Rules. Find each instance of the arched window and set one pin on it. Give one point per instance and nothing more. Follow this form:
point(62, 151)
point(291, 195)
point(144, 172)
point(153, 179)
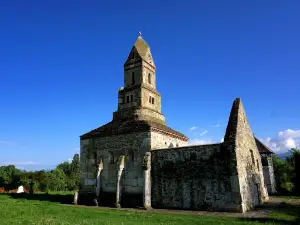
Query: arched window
point(149, 78)
point(111, 158)
point(131, 155)
point(132, 78)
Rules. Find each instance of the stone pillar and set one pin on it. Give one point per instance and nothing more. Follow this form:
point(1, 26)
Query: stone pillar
point(147, 180)
point(100, 168)
point(75, 201)
point(268, 173)
point(120, 170)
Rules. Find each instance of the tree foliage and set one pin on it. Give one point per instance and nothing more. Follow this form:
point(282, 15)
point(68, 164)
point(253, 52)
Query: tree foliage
point(64, 177)
point(287, 172)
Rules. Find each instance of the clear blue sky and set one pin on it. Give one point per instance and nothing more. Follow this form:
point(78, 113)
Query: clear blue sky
point(61, 64)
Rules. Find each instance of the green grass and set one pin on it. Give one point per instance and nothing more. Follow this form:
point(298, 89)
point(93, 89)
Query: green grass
point(287, 197)
point(28, 211)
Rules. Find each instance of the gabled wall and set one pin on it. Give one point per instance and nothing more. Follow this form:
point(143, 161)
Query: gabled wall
point(249, 166)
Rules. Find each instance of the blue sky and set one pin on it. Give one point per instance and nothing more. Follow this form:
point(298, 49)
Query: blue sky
point(61, 64)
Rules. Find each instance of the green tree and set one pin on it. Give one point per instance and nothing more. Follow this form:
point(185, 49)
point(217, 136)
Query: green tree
point(286, 175)
point(56, 180)
point(74, 176)
point(65, 167)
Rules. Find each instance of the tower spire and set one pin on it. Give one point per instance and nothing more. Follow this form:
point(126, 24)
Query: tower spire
point(140, 34)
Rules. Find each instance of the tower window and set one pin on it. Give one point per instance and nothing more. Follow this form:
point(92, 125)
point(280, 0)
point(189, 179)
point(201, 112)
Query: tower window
point(128, 99)
point(252, 157)
point(257, 165)
point(149, 78)
point(151, 100)
point(132, 78)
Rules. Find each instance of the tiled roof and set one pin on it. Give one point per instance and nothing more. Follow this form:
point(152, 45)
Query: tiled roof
point(126, 127)
point(262, 148)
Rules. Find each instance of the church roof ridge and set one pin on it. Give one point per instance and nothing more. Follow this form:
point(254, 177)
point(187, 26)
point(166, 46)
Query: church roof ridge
point(128, 126)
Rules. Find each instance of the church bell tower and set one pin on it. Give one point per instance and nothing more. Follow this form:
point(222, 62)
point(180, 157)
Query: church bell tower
point(139, 98)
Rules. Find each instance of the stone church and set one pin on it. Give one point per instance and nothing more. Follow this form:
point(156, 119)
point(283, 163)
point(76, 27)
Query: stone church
point(136, 160)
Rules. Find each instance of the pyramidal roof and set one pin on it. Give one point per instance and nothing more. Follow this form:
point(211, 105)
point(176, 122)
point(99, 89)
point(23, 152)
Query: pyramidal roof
point(141, 46)
point(142, 50)
point(237, 115)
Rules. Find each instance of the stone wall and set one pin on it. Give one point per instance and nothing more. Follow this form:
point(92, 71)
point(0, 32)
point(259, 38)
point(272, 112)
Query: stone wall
point(146, 93)
point(146, 71)
point(135, 68)
point(162, 141)
point(194, 177)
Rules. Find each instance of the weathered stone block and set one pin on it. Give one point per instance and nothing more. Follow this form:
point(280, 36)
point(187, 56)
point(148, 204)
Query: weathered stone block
point(141, 182)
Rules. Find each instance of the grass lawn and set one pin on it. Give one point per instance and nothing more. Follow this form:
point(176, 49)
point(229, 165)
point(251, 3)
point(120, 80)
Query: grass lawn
point(27, 211)
point(287, 197)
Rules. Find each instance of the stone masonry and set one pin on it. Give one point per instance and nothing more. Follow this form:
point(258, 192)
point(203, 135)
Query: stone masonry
point(136, 160)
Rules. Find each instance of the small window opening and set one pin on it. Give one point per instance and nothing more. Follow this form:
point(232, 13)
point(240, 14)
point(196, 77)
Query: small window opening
point(151, 100)
point(257, 165)
point(128, 99)
point(149, 78)
point(131, 156)
point(252, 156)
point(111, 158)
point(133, 78)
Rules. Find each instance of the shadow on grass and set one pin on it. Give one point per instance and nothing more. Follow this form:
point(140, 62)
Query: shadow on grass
point(63, 199)
point(280, 213)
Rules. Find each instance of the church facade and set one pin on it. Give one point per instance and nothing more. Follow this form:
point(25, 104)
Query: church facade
point(136, 160)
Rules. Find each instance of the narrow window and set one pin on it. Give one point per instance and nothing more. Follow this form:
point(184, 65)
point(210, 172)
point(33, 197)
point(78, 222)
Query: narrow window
point(132, 155)
point(133, 78)
point(131, 98)
point(149, 99)
point(252, 156)
point(152, 100)
point(149, 78)
point(127, 98)
point(257, 165)
point(111, 158)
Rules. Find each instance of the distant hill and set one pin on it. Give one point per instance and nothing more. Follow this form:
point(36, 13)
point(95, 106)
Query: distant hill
point(32, 168)
point(283, 155)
